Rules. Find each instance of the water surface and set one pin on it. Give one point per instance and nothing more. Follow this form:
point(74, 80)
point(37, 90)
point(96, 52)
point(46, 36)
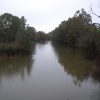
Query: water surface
point(54, 72)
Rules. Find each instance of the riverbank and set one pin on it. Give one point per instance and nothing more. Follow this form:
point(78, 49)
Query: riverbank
point(12, 51)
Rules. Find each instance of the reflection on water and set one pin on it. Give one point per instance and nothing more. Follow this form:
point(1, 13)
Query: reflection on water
point(54, 72)
point(81, 69)
point(73, 63)
point(95, 74)
point(95, 95)
point(20, 66)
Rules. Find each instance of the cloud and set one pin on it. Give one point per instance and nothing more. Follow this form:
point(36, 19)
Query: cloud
point(45, 14)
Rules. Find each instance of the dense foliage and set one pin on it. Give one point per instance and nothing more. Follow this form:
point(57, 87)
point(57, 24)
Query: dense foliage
point(16, 37)
point(80, 32)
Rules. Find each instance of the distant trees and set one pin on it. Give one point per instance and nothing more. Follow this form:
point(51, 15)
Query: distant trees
point(40, 36)
point(79, 32)
point(16, 37)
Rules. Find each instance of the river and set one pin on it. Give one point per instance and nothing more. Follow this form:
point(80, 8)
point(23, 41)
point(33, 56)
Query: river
point(53, 72)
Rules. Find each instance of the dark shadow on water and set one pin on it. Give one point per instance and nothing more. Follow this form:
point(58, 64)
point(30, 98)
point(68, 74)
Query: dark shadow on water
point(20, 66)
point(76, 65)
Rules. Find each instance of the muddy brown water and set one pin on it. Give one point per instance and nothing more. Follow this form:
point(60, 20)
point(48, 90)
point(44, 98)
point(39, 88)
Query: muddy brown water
point(53, 72)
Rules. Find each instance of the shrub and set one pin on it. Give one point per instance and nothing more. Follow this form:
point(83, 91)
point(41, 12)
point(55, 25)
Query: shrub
point(7, 49)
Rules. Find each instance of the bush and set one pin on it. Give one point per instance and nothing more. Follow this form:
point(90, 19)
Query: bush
point(89, 44)
point(7, 49)
point(10, 50)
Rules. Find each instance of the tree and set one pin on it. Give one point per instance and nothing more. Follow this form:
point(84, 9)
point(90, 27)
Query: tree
point(32, 32)
point(91, 10)
point(9, 26)
point(40, 35)
point(68, 31)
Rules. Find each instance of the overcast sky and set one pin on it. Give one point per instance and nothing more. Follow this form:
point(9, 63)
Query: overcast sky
point(45, 15)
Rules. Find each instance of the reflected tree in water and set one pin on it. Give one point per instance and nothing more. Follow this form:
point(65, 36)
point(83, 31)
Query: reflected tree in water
point(95, 95)
point(96, 75)
point(74, 64)
point(20, 66)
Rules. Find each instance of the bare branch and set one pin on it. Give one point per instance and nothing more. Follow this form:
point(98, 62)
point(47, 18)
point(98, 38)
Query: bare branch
point(93, 12)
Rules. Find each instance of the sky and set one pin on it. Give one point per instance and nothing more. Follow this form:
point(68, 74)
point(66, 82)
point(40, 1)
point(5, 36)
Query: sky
point(45, 15)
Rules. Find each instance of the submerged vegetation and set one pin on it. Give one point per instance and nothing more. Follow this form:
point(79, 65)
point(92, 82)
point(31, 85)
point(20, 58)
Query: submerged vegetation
point(17, 37)
point(81, 33)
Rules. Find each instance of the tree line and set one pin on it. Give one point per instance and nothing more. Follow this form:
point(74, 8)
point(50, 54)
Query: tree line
point(17, 37)
point(79, 32)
